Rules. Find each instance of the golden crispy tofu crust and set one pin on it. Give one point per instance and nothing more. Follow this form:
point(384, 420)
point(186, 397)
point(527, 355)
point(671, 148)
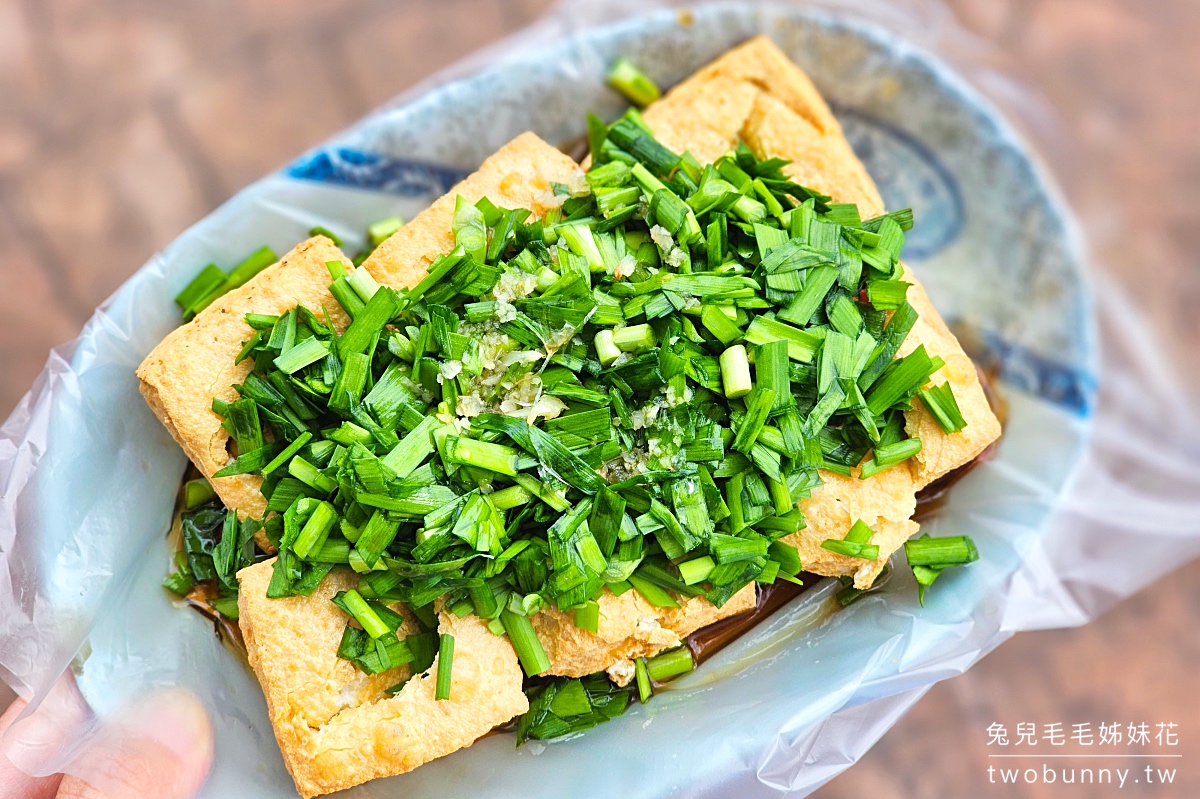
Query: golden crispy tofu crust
point(941, 453)
point(885, 502)
point(194, 363)
point(515, 176)
point(754, 93)
point(335, 725)
point(630, 627)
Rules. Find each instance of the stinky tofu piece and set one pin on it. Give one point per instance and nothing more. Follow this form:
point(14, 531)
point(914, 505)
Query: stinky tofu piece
point(630, 627)
point(755, 93)
point(195, 362)
point(518, 175)
point(885, 503)
point(335, 725)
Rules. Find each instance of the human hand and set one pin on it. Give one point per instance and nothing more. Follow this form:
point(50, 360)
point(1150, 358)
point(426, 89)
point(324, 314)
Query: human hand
point(161, 748)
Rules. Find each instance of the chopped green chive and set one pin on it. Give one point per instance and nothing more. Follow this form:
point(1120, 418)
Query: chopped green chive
point(696, 570)
point(363, 284)
point(717, 321)
point(315, 530)
point(209, 280)
point(470, 230)
point(445, 665)
point(642, 674)
point(733, 549)
point(413, 449)
point(903, 379)
point(929, 557)
point(671, 663)
point(855, 544)
point(606, 349)
point(354, 604)
point(327, 233)
point(889, 455)
point(375, 537)
point(758, 406)
point(638, 88)
point(949, 551)
point(543, 492)
point(511, 497)
point(787, 556)
point(374, 315)
point(802, 346)
point(850, 549)
point(635, 338)
point(942, 405)
point(288, 452)
point(304, 354)
point(346, 296)
point(567, 402)
point(773, 372)
point(652, 593)
point(379, 231)
point(482, 454)
point(887, 294)
point(310, 475)
point(197, 492)
point(525, 641)
point(587, 616)
point(735, 372)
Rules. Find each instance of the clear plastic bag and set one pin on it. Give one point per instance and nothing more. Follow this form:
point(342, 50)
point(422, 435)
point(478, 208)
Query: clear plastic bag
point(1093, 493)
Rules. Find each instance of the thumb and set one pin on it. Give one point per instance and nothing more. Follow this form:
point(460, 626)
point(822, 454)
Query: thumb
point(161, 748)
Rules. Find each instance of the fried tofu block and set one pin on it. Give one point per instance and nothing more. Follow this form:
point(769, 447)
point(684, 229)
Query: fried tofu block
point(941, 453)
point(885, 502)
point(194, 363)
point(755, 93)
point(630, 627)
point(335, 725)
point(515, 176)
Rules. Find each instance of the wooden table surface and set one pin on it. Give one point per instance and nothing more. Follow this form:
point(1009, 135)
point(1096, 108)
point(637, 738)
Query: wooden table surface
point(124, 122)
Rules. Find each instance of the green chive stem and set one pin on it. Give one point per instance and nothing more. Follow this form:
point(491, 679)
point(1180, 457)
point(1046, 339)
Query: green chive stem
point(948, 551)
point(629, 80)
point(445, 666)
point(364, 614)
point(635, 338)
point(645, 691)
point(380, 230)
point(587, 616)
point(606, 350)
point(671, 663)
point(735, 372)
point(525, 641)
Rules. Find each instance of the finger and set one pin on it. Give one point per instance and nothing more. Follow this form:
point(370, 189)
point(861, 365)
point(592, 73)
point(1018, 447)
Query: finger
point(75, 788)
point(41, 741)
point(161, 748)
point(13, 781)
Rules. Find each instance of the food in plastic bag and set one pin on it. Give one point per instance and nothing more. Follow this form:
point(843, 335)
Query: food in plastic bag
point(1089, 496)
point(666, 481)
